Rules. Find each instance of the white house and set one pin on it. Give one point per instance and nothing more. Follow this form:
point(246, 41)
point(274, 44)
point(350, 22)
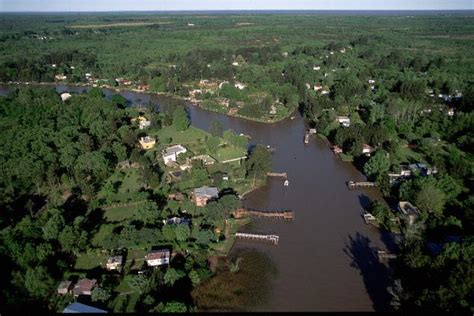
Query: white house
point(451, 112)
point(171, 153)
point(316, 68)
point(323, 92)
point(371, 81)
point(235, 63)
point(190, 24)
point(158, 257)
point(240, 85)
point(65, 96)
point(367, 149)
point(142, 122)
point(344, 121)
point(317, 87)
point(60, 77)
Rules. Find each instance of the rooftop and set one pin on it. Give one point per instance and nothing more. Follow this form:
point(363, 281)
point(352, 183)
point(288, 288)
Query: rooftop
point(158, 254)
point(206, 192)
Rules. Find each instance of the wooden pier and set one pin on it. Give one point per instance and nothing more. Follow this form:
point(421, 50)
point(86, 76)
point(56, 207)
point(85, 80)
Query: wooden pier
point(277, 174)
point(283, 214)
point(360, 184)
point(385, 256)
point(267, 238)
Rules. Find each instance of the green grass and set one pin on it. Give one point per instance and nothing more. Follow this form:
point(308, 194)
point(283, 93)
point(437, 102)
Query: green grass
point(104, 231)
point(191, 135)
point(229, 152)
point(347, 158)
point(119, 214)
point(90, 260)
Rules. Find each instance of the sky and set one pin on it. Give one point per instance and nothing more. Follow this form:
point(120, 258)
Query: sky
point(189, 5)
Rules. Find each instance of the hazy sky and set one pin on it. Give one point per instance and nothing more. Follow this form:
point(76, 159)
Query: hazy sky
point(143, 5)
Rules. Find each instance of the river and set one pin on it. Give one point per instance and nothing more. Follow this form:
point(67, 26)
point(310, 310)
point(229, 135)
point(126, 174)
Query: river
point(325, 257)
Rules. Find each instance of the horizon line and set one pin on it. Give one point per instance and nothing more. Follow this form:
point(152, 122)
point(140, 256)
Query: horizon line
point(237, 10)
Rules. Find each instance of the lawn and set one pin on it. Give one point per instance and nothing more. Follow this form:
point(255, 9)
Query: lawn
point(191, 135)
point(118, 214)
point(229, 152)
point(90, 260)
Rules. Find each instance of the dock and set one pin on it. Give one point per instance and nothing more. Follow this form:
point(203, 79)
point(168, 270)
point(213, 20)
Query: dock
point(369, 218)
point(385, 256)
point(360, 184)
point(306, 138)
point(267, 238)
point(277, 174)
point(283, 214)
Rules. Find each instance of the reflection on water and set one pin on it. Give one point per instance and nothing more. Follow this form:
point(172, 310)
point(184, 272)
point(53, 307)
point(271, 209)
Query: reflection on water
point(325, 256)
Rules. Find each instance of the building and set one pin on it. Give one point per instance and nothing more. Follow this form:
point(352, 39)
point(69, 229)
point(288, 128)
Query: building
point(317, 87)
point(171, 153)
point(206, 159)
point(316, 68)
point(147, 142)
point(190, 24)
point(157, 258)
point(60, 77)
point(337, 150)
point(114, 263)
point(344, 120)
point(203, 194)
point(422, 168)
point(64, 287)
point(82, 308)
point(240, 85)
point(367, 149)
point(84, 287)
point(409, 211)
point(371, 81)
point(323, 92)
point(142, 122)
point(450, 112)
point(177, 221)
point(65, 96)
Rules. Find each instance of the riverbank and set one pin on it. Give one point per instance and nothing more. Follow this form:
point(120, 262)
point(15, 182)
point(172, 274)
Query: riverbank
point(165, 94)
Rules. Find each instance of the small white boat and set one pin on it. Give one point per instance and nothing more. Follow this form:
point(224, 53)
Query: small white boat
point(286, 183)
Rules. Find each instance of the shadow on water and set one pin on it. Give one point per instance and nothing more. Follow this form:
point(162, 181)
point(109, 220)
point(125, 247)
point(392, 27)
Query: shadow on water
point(364, 201)
point(375, 275)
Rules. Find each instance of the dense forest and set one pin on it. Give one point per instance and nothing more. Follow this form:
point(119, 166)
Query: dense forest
point(393, 94)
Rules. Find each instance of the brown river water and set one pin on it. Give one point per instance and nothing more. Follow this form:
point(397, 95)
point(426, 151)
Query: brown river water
point(326, 257)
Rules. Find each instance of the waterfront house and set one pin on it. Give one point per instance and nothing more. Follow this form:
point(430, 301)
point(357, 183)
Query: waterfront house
point(239, 85)
point(114, 263)
point(142, 122)
point(337, 150)
point(204, 194)
point(171, 153)
point(410, 212)
point(60, 77)
point(312, 131)
point(367, 149)
point(157, 258)
point(64, 287)
point(147, 142)
point(65, 96)
point(344, 120)
point(82, 309)
point(84, 287)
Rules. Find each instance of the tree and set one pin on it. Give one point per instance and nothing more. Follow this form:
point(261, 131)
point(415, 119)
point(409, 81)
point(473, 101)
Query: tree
point(213, 143)
point(142, 283)
point(174, 307)
point(168, 232)
point(182, 232)
point(100, 294)
point(259, 162)
point(38, 282)
point(216, 129)
point(172, 275)
point(119, 101)
point(431, 199)
point(377, 164)
point(180, 119)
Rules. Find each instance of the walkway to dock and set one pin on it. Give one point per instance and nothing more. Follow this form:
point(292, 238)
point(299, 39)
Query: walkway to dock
point(283, 214)
point(270, 238)
point(277, 174)
point(360, 184)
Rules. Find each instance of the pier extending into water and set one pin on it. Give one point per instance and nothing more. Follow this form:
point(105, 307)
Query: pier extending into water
point(268, 238)
point(385, 256)
point(277, 174)
point(283, 214)
point(360, 184)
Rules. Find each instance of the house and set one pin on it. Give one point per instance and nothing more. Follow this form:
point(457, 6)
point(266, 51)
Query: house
point(240, 85)
point(224, 102)
point(316, 68)
point(65, 96)
point(142, 122)
point(409, 211)
point(235, 63)
point(312, 131)
point(147, 142)
point(114, 263)
point(84, 287)
point(344, 120)
point(284, 54)
point(323, 92)
point(422, 168)
point(308, 86)
point(343, 50)
point(171, 153)
point(367, 150)
point(177, 221)
point(371, 81)
point(450, 112)
point(206, 159)
point(203, 194)
point(158, 257)
point(190, 24)
point(317, 87)
point(273, 110)
point(60, 77)
point(64, 287)
point(82, 309)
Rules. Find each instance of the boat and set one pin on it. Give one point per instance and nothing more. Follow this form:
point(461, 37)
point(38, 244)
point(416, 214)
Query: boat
point(306, 138)
point(292, 118)
point(286, 183)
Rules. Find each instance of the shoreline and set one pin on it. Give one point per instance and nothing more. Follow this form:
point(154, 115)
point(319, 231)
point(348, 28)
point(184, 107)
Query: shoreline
point(121, 89)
